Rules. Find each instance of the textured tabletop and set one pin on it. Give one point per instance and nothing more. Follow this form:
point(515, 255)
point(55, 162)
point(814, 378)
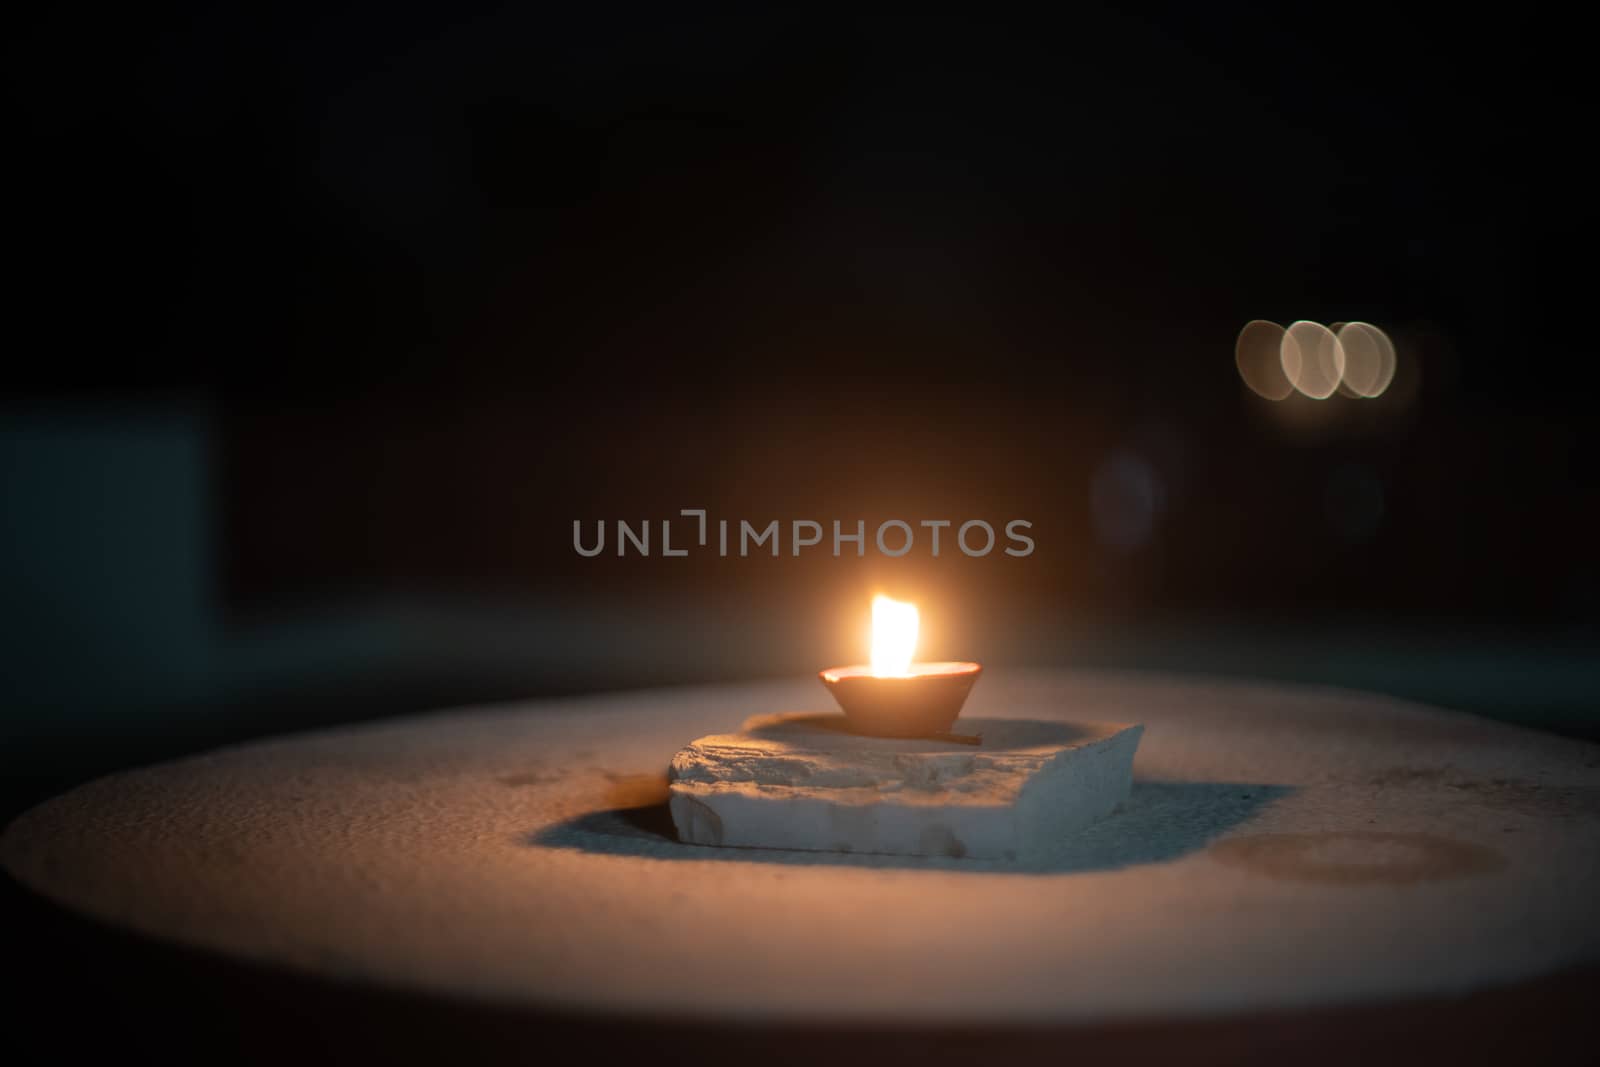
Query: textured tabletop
point(1281, 847)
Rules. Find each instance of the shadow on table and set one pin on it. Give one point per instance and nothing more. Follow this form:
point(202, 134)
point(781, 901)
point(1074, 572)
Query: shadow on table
point(1159, 822)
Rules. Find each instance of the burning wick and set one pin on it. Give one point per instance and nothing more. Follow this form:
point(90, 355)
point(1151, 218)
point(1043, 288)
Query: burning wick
point(894, 636)
point(895, 697)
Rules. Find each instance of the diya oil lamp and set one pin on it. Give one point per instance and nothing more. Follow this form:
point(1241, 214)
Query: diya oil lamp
point(894, 697)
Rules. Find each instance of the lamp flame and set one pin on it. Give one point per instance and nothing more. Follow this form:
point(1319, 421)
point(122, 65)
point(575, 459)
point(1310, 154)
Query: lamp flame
point(894, 637)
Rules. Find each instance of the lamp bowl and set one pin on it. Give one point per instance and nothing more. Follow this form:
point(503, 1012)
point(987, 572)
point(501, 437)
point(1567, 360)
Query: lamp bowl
point(923, 702)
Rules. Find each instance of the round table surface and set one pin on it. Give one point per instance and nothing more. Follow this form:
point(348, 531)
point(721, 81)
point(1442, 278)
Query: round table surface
point(1282, 847)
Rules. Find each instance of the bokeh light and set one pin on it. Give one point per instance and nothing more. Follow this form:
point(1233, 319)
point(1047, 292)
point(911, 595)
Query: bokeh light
point(1369, 360)
point(1313, 359)
point(1258, 352)
point(1356, 360)
point(1126, 500)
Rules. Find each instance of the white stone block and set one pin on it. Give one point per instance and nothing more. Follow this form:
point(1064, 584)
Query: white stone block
point(801, 781)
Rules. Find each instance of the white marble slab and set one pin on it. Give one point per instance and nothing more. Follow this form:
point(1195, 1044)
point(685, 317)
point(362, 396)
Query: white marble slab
point(804, 781)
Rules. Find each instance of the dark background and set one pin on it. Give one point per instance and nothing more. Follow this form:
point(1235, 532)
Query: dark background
point(327, 323)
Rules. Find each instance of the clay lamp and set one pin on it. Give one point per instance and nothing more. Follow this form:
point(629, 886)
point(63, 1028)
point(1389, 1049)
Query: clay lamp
point(894, 697)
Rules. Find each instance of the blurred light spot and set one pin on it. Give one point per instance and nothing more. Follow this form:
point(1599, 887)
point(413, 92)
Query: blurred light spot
point(1163, 444)
point(1125, 499)
point(1369, 359)
point(1313, 359)
point(1258, 352)
point(1344, 379)
point(1354, 502)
